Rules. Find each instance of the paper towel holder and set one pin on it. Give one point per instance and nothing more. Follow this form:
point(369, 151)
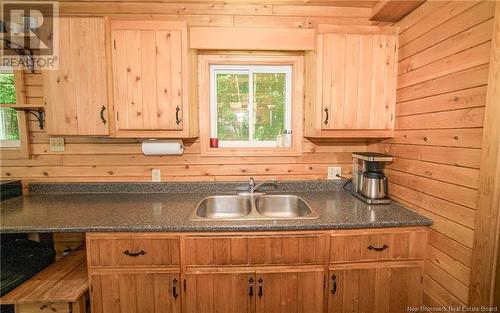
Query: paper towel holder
point(162, 147)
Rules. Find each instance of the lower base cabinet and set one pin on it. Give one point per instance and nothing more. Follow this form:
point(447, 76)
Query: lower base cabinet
point(290, 291)
point(219, 292)
point(136, 293)
point(375, 288)
point(363, 271)
point(267, 291)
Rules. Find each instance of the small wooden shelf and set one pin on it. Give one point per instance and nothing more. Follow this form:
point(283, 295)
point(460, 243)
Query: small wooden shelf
point(63, 286)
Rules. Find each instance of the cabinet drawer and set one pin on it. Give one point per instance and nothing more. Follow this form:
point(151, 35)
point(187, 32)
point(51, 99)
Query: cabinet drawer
point(372, 245)
point(133, 251)
point(43, 307)
point(255, 250)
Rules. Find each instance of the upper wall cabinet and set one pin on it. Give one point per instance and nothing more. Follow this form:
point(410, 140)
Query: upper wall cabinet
point(354, 70)
point(150, 79)
point(75, 94)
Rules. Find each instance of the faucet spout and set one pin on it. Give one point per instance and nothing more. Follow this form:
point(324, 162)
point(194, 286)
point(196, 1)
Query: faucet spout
point(252, 187)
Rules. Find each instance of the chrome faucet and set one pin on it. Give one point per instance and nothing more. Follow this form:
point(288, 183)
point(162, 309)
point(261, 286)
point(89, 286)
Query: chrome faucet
point(252, 187)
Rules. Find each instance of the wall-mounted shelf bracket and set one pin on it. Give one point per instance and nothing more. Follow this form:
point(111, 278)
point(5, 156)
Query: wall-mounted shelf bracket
point(39, 114)
point(25, 54)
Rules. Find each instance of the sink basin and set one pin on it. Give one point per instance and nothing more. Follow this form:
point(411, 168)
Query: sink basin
point(282, 206)
point(254, 207)
point(223, 207)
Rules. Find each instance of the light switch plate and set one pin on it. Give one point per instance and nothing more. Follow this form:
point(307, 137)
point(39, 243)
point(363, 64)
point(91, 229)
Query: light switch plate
point(156, 175)
point(333, 171)
point(56, 144)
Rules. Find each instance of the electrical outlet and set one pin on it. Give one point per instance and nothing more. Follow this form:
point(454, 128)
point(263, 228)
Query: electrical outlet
point(56, 144)
point(156, 175)
point(333, 171)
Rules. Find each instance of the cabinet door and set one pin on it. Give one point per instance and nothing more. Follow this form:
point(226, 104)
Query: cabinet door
point(254, 250)
point(356, 73)
point(220, 293)
point(290, 291)
point(389, 288)
point(149, 75)
point(135, 293)
point(75, 95)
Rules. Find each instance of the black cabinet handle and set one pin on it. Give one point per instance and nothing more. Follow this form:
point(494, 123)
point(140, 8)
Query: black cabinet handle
point(128, 253)
point(378, 249)
point(326, 118)
point(103, 119)
point(250, 292)
point(174, 288)
point(177, 120)
point(334, 284)
point(261, 289)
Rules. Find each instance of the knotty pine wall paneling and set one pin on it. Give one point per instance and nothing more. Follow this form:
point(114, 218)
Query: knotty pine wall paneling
point(108, 159)
point(442, 78)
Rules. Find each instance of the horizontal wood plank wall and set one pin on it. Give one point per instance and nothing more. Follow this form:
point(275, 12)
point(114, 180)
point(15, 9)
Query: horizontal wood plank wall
point(443, 71)
point(106, 159)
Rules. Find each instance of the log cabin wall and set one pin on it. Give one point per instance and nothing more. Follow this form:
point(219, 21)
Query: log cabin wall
point(443, 72)
point(107, 159)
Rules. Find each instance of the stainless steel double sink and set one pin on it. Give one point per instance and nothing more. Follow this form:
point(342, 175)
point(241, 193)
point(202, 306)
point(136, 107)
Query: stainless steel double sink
point(263, 207)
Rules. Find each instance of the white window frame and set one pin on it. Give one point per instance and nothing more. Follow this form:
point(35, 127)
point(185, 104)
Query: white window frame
point(9, 143)
point(249, 70)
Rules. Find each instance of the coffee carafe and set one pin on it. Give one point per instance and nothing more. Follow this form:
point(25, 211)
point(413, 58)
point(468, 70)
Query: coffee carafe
point(374, 185)
point(369, 182)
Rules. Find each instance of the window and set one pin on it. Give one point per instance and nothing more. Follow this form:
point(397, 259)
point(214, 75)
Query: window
point(9, 125)
point(9, 128)
point(250, 105)
point(13, 124)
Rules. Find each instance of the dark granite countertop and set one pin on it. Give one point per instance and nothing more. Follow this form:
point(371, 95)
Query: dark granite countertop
point(169, 212)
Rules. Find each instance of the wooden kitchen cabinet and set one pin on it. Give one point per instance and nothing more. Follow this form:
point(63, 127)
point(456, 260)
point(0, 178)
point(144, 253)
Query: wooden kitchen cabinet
point(150, 74)
point(258, 272)
point(75, 94)
point(137, 292)
point(290, 290)
point(267, 290)
point(255, 250)
point(214, 292)
point(377, 245)
point(375, 287)
point(133, 251)
point(352, 82)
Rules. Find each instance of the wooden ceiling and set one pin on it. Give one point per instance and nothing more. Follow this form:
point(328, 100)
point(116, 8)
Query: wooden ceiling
point(337, 3)
point(388, 11)
point(393, 11)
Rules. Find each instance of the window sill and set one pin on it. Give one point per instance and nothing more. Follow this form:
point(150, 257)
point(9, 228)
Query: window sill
point(294, 151)
point(13, 153)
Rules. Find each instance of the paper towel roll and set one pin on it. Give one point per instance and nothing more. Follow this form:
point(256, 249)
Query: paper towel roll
point(162, 147)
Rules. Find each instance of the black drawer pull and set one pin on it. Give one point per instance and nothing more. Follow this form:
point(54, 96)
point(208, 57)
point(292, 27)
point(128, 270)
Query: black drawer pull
point(174, 289)
point(103, 119)
point(177, 119)
point(250, 292)
point(261, 289)
point(45, 306)
point(378, 249)
point(334, 284)
point(326, 118)
point(142, 252)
